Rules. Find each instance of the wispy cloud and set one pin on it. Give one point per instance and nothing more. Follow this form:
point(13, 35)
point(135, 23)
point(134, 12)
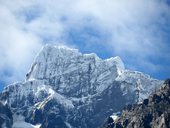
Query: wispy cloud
point(17, 47)
point(136, 30)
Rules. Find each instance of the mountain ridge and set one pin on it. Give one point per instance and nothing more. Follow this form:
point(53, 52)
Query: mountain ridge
point(74, 88)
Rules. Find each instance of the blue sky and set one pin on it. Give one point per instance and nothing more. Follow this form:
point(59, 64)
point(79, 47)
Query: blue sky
point(136, 30)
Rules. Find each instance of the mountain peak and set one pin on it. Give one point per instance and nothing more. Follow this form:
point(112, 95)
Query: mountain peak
point(65, 84)
point(53, 60)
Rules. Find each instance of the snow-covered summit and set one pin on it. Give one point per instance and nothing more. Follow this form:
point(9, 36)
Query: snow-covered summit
point(64, 69)
point(67, 68)
point(52, 60)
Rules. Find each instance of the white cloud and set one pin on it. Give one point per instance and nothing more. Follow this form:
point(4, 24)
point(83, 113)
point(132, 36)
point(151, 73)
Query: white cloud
point(17, 47)
point(132, 27)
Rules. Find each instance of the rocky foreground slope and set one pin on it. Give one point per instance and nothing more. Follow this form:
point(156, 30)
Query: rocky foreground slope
point(153, 112)
point(67, 89)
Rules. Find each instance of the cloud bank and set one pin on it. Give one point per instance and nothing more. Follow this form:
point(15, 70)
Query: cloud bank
point(136, 30)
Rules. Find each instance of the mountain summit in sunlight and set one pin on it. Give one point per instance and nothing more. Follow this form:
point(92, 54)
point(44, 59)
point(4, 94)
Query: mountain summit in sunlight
point(67, 89)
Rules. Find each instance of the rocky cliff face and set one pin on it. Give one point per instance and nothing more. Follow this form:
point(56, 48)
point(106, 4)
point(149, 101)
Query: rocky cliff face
point(153, 112)
point(65, 88)
point(6, 119)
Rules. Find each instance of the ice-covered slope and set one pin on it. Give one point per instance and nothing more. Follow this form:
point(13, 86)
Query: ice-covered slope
point(74, 88)
point(134, 80)
point(73, 73)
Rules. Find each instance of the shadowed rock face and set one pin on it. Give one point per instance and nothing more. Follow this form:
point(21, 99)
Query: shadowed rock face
point(6, 119)
point(154, 112)
point(67, 88)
